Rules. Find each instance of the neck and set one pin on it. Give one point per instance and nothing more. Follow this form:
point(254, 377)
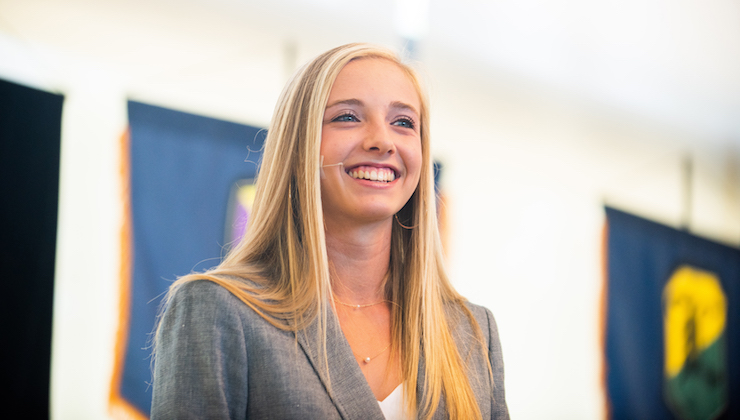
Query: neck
point(358, 260)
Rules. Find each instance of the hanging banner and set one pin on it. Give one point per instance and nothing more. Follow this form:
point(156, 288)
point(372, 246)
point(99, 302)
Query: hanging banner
point(672, 323)
point(30, 142)
point(187, 193)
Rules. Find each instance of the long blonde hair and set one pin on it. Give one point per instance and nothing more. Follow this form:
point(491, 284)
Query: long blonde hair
point(283, 254)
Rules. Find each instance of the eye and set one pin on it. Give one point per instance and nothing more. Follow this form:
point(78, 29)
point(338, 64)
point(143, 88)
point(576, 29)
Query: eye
point(346, 117)
point(404, 122)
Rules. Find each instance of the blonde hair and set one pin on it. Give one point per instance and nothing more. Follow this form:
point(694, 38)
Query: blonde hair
point(283, 254)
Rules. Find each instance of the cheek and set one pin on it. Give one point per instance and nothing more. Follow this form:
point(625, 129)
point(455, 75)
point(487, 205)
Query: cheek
point(333, 144)
point(413, 160)
point(324, 145)
point(327, 152)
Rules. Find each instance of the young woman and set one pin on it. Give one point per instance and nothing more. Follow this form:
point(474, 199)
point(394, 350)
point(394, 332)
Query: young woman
point(335, 304)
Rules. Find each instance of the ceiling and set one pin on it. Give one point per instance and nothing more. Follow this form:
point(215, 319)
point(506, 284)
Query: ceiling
point(674, 63)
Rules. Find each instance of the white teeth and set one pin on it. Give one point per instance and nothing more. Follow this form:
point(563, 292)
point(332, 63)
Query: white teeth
point(381, 175)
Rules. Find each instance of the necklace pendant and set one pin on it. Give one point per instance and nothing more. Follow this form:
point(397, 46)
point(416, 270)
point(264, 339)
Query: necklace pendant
point(367, 360)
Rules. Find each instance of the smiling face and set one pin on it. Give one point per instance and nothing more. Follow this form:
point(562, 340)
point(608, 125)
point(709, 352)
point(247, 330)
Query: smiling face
point(372, 126)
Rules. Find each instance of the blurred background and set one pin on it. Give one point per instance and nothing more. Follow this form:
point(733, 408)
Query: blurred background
point(543, 112)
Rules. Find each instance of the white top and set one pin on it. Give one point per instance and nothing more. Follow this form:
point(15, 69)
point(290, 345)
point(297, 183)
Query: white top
point(392, 405)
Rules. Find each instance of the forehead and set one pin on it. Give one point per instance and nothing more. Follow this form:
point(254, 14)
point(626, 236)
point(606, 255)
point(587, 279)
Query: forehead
point(375, 77)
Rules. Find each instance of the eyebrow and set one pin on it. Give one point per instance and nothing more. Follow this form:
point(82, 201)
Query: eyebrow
point(357, 102)
point(402, 105)
point(345, 102)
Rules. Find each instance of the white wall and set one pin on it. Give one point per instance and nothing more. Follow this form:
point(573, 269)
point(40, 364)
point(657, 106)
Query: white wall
point(527, 172)
point(528, 175)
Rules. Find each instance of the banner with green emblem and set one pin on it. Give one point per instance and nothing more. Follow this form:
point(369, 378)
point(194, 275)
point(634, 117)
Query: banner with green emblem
point(672, 333)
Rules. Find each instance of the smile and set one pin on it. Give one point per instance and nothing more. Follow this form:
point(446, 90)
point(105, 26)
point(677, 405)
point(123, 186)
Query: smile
point(372, 173)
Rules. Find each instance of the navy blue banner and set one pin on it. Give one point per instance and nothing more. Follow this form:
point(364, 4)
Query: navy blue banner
point(184, 171)
point(30, 128)
point(672, 323)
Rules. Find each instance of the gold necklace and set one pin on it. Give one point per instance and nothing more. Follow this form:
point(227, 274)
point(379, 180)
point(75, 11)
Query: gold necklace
point(369, 359)
point(359, 306)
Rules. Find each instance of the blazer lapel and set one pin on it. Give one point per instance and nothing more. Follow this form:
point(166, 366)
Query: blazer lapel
point(345, 382)
point(440, 412)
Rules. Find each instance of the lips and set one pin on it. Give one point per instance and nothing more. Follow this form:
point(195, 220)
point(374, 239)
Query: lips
point(372, 173)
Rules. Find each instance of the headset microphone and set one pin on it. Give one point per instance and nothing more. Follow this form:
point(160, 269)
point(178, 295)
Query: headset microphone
point(326, 166)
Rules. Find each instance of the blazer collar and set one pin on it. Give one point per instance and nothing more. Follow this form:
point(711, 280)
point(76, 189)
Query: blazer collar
point(345, 382)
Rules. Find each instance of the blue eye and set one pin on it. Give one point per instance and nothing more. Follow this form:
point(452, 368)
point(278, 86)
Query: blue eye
point(345, 118)
point(404, 122)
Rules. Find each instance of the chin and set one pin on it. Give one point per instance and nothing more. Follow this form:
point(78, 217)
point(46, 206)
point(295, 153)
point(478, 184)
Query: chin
point(378, 215)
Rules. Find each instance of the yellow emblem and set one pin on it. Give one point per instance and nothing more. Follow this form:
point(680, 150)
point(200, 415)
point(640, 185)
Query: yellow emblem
point(695, 313)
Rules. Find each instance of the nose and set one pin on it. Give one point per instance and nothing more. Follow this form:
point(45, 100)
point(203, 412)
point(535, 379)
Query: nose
point(378, 138)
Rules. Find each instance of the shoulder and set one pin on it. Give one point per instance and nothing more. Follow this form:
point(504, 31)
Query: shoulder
point(223, 291)
point(201, 293)
point(485, 319)
point(206, 304)
point(482, 314)
point(201, 350)
point(465, 315)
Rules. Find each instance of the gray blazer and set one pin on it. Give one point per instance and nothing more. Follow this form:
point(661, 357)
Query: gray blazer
point(219, 359)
